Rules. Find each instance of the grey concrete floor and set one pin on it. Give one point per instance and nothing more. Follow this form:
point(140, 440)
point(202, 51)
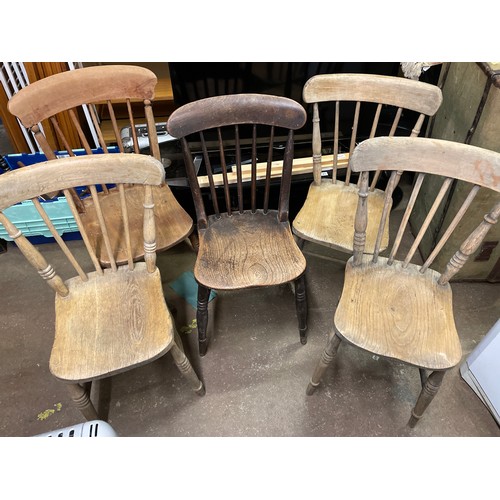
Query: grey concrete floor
point(255, 371)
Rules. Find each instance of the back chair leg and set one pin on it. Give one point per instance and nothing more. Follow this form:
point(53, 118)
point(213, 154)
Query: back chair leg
point(81, 397)
point(202, 318)
point(301, 306)
point(194, 241)
point(429, 390)
point(184, 366)
point(326, 358)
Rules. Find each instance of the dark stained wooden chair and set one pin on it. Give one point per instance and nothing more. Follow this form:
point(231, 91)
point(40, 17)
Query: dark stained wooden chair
point(64, 98)
point(242, 244)
point(402, 308)
point(107, 320)
point(349, 105)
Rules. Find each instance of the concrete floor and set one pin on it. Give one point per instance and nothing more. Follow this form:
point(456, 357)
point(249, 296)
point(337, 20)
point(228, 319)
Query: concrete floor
point(255, 372)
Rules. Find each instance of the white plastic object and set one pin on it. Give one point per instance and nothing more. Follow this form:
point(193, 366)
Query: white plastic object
point(93, 428)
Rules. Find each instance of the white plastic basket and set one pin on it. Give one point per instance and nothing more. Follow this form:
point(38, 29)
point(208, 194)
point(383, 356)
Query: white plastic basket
point(93, 428)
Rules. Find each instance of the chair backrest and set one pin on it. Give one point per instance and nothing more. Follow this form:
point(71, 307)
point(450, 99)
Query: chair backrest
point(271, 119)
point(65, 99)
point(450, 160)
point(360, 96)
point(32, 181)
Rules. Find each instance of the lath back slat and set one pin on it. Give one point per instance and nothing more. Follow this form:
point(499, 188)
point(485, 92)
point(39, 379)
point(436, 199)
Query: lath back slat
point(84, 142)
point(450, 160)
point(97, 126)
point(430, 215)
point(239, 177)
point(394, 127)
point(81, 134)
point(352, 144)
point(391, 186)
point(406, 217)
point(453, 225)
point(102, 226)
point(114, 125)
point(286, 179)
point(62, 244)
point(32, 181)
point(254, 169)
point(53, 231)
point(389, 94)
point(268, 170)
point(206, 158)
point(60, 134)
point(262, 113)
point(336, 141)
point(135, 141)
point(222, 158)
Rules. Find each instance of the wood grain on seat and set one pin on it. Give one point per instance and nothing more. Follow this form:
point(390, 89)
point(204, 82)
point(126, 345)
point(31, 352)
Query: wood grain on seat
point(399, 313)
point(111, 323)
point(171, 225)
point(328, 216)
point(247, 250)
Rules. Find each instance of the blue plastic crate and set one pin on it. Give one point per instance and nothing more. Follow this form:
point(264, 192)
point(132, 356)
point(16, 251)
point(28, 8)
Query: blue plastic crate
point(32, 158)
point(27, 219)
point(25, 216)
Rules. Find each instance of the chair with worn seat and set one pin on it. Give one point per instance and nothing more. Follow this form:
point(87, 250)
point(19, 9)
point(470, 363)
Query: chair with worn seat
point(60, 101)
point(352, 107)
point(401, 307)
point(244, 232)
point(107, 320)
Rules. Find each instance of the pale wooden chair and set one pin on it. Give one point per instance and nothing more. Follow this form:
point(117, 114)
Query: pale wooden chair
point(62, 99)
point(247, 243)
point(343, 102)
point(109, 320)
point(398, 308)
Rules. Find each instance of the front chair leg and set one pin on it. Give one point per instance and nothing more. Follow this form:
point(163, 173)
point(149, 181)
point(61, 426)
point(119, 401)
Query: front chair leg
point(202, 318)
point(81, 397)
point(429, 390)
point(301, 306)
point(326, 358)
point(184, 366)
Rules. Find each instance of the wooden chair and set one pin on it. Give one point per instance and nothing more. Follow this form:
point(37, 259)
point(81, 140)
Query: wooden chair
point(327, 215)
point(241, 245)
point(110, 320)
point(398, 308)
point(62, 99)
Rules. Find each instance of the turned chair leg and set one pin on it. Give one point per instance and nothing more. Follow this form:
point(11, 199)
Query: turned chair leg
point(178, 341)
point(429, 390)
point(81, 397)
point(301, 306)
point(326, 358)
point(202, 318)
point(184, 366)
